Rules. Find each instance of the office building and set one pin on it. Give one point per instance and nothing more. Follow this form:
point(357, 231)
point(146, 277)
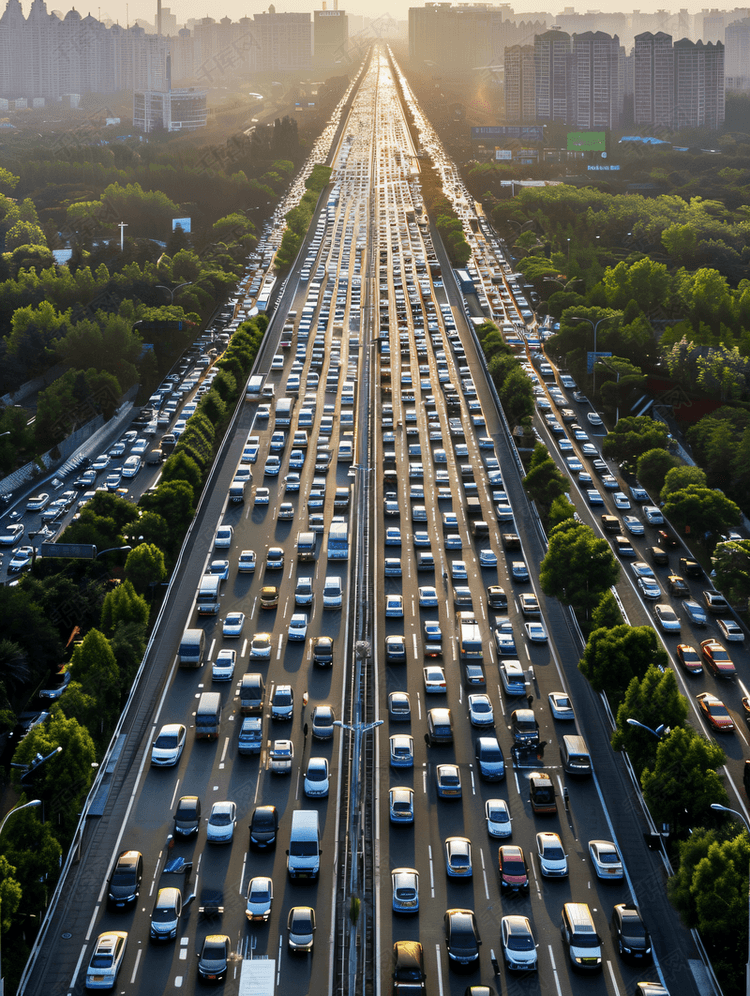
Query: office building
point(282, 41)
point(330, 35)
point(520, 84)
point(737, 50)
point(653, 80)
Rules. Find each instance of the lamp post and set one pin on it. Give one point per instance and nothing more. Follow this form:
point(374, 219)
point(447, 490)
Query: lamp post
point(112, 549)
point(717, 807)
point(661, 731)
point(26, 805)
point(187, 283)
point(595, 327)
point(617, 375)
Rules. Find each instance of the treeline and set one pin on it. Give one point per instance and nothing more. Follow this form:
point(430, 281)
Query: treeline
point(445, 218)
point(299, 218)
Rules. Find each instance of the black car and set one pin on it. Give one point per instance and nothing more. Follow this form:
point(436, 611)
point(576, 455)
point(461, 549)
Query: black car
point(690, 568)
point(187, 817)
point(678, 586)
point(322, 651)
point(462, 938)
point(125, 880)
point(214, 958)
point(264, 827)
point(408, 968)
point(629, 933)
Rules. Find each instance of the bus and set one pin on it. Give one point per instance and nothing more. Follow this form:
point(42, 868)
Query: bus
point(265, 294)
point(284, 409)
point(465, 283)
point(338, 541)
point(470, 637)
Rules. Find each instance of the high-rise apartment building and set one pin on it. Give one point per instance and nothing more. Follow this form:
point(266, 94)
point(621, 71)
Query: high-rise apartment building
point(520, 84)
point(737, 49)
point(595, 81)
point(653, 80)
point(283, 41)
point(552, 70)
point(331, 36)
point(698, 84)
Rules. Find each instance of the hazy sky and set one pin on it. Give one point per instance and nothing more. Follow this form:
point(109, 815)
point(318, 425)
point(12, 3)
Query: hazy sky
point(185, 9)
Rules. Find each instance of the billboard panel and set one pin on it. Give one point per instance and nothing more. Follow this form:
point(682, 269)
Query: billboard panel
point(503, 154)
point(80, 551)
point(527, 133)
point(184, 224)
point(586, 141)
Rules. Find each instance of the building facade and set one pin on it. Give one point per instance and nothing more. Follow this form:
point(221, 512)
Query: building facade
point(698, 84)
point(552, 70)
point(653, 80)
point(520, 84)
point(595, 82)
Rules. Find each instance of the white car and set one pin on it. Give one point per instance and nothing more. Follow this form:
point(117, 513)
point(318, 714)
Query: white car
point(252, 447)
point(168, 746)
point(498, 818)
point(434, 680)
point(223, 538)
point(642, 570)
point(260, 645)
point(606, 859)
point(259, 898)
point(37, 503)
point(272, 467)
point(458, 570)
point(317, 778)
point(518, 943)
point(731, 632)
point(233, 624)
point(298, 626)
point(262, 496)
point(247, 562)
point(560, 705)
point(405, 882)
point(394, 606)
point(281, 757)
point(480, 710)
point(536, 632)
point(553, 861)
point(223, 667)
point(106, 960)
point(487, 558)
point(667, 618)
point(621, 500)
point(221, 822)
point(649, 588)
point(593, 418)
point(101, 462)
point(12, 534)
point(653, 515)
point(633, 525)
point(428, 597)
point(458, 857)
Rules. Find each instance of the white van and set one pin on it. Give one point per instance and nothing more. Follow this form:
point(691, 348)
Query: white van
point(131, 466)
point(303, 856)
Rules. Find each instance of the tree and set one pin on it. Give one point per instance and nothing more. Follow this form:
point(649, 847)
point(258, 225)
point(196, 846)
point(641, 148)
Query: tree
point(613, 657)
point(32, 849)
point(14, 664)
point(607, 614)
point(560, 510)
point(10, 893)
point(653, 467)
point(145, 566)
point(544, 482)
point(655, 701)
point(701, 510)
point(174, 501)
point(122, 604)
point(578, 567)
point(180, 467)
point(684, 781)
point(633, 436)
point(731, 561)
point(680, 477)
point(93, 664)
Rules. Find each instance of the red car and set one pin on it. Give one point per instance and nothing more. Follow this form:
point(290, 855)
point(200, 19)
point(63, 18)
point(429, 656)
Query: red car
point(688, 657)
point(717, 659)
point(715, 712)
point(514, 874)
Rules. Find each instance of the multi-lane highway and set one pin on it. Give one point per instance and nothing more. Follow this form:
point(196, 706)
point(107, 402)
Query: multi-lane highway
point(403, 444)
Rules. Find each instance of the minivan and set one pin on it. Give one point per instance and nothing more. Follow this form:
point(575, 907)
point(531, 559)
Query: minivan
point(439, 727)
point(332, 592)
point(575, 756)
point(580, 937)
point(208, 716)
point(252, 694)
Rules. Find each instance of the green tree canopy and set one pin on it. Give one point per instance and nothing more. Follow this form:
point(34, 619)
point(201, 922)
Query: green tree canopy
point(655, 701)
point(544, 482)
point(653, 467)
point(633, 436)
point(613, 657)
point(731, 561)
point(145, 566)
point(607, 613)
point(680, 477)
point(123, 605)
point(578, 567)
point(701, 510)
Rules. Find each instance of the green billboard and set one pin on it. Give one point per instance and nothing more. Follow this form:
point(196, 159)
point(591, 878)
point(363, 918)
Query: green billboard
point(586, 141)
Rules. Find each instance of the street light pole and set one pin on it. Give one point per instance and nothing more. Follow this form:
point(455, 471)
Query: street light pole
point(617, 374)
point(717, 807)
point(26, 805)
point(595, 327)
point(659, 732)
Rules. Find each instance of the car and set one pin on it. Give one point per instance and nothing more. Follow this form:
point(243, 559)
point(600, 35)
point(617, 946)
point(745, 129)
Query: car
point(300, 927)
point(428, 597)
point(633, 525)
point(553, 861)
point(393, 536)
point(124, 885)
point(395, 649)
point(453, 541)
point(117, 449)
point(286, 510)
point(462, 938)
point(405, 890)
point(392, 567)
point(518, 944)
point(594, 497)
point(649, 588)
point(37, 503)
point(291, 483)
point(297, 626)
point(394, 606)
point(667, 618)
point(715, 603)
point(594, 418)
point(272, 466)
point(574, 464)
point(730, 630)
point(666, 538)
point(639, 494)
point(536, 632)
point(512, 868)
point(458, 857)
point(717, 659)
point(56, 687)
point(434, 680)
point(12, 533)
point(496, 597)
point(168, 746)
point(524, 727)
point(321, 651)
point(112, 481)
point(259, 899)
point(264, 827)
point(504, 640)
point(529, 604)
point(606, 859)
point(281, 757)
point(296, 459)
point(689, 658)
point(233, 625)
point(433, 638)
point(498, 818)
point(399, 707)
point(678, 586)
point(690, 568)
point(695, 612)
point(512, 677)
point(621, 500)
point(106, 960)
point(421, 538)
point(303, 591)
point(560, 705)
point(480, 710)
point(21, 559)
point(715, 712)
point(282, 702)
point(401, 804)
point(408, 968)
point(653, 515)
point(487, 558)
point(262, 496)
point(274, 558)
point(322, 722)
point(642, 570)
point(260, 645)
point(222, 668)
point(474, 676)
point(629, 933)
point(402, 751)
point(252, 446)
point(86, 480)
point(448, 781)
point(221, 822)
point(223, 538)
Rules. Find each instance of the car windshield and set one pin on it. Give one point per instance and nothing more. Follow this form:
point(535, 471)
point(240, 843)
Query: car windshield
point(523, 943)
point(260, 895)
point(514, 866)
point(609, 858)
point(282, 698)
point(166, 740)
point(221, 819)
point(553, 853)
point(101, 961)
